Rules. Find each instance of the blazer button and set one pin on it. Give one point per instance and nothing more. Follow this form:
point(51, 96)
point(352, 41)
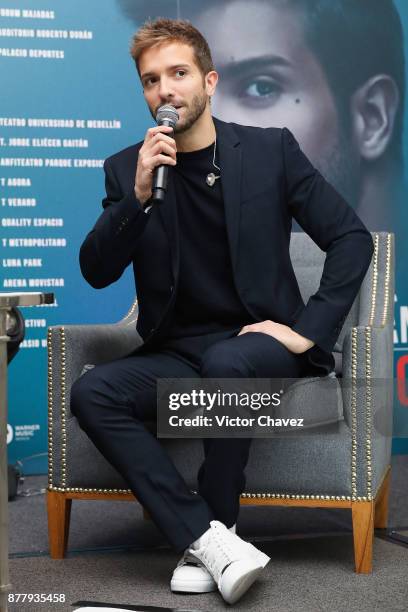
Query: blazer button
point(171, 288)
point(152, 330)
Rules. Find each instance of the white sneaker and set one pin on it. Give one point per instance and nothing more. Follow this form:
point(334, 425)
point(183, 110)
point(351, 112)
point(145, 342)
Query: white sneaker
point(191, 575)
point(233, 563)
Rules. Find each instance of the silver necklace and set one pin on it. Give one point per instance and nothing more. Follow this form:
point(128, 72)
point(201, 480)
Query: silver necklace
point(211, 177)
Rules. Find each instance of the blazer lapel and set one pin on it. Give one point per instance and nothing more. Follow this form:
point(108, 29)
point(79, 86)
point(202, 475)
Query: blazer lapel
point(230, 162)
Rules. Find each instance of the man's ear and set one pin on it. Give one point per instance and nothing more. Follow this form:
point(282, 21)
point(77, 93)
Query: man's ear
point(211, 80)
point(373, 109)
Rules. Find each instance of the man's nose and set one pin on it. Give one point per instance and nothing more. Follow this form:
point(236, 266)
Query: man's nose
point(165, 91)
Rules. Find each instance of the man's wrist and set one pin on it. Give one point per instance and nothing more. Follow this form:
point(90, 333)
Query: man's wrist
point(145, 202)
point(302, 341)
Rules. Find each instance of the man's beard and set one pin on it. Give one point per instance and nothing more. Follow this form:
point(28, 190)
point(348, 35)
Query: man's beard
point(192, 113)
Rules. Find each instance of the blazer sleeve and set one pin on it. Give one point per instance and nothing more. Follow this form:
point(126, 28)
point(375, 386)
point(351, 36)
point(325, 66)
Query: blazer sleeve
point(108, 248)
point(334, 226)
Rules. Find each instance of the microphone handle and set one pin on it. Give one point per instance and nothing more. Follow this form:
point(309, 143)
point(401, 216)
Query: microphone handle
point(159, 186)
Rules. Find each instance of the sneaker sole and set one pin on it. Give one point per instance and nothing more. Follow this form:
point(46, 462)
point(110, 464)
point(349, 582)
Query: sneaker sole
point(178, 586)
point(238, 577)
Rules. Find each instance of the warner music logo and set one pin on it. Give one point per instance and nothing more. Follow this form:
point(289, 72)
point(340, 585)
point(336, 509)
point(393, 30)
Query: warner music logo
point(25, 432)
point(21, 433)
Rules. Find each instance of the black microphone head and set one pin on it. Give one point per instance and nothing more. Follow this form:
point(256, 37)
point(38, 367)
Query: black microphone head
point(167, 113)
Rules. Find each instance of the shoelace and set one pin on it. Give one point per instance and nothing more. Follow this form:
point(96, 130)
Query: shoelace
point(227, 554)
point(188, 559)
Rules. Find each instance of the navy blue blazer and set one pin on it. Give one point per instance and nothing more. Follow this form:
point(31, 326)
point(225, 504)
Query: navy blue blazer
point(266, 181)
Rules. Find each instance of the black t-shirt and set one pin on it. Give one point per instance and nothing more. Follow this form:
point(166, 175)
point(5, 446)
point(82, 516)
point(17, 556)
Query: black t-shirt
point(207, 300)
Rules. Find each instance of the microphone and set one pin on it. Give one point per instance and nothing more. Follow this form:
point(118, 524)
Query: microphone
point(166, 115)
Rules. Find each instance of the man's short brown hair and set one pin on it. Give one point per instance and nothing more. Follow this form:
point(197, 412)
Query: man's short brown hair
point(161, 31)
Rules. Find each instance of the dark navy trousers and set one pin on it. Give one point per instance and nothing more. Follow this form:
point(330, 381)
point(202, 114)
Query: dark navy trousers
point(112, 402)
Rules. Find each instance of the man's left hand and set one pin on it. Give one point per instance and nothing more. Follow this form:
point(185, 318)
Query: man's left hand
point(293, 341)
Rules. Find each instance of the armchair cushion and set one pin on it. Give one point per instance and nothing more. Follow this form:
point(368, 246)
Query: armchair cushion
point(316, 400)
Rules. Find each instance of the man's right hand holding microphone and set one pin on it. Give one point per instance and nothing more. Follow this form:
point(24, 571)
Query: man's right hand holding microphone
point(159, 149)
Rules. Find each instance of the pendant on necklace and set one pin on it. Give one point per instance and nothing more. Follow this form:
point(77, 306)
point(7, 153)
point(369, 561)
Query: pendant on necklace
point(210, 180)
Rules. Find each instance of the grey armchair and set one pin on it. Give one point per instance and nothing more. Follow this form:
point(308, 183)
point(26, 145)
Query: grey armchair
point(347, 466)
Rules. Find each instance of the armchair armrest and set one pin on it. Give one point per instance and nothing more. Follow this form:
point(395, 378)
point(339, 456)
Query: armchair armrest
point(71, 347)
point(367, 387)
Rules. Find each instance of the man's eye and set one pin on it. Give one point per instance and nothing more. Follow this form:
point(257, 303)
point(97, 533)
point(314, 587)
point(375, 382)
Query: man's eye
point(180, 72)
point(261, 87)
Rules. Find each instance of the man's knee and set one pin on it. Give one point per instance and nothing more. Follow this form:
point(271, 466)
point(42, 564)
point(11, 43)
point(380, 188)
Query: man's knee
point(81, 396)
point(223, 360)
point(88, 392)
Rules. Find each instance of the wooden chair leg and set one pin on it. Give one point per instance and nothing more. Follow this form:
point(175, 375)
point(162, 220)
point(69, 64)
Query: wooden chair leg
point(363, 535)
point(381, 504)
point(59, 514)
